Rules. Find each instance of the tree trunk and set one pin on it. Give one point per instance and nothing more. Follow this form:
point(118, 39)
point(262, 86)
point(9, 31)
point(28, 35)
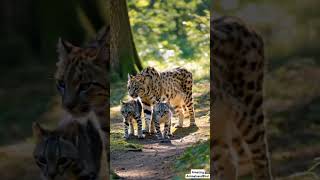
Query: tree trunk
point(124, 56)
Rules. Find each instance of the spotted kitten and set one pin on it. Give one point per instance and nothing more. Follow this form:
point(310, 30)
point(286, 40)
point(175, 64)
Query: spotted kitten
point(130, 111)
point(162, 113)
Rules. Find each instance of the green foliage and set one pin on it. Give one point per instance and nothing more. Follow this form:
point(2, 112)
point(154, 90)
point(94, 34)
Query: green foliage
point(195, 157)
point(170, 30)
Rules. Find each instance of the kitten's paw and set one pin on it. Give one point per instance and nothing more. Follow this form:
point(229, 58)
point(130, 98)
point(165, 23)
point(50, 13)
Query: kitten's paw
point(145, 131)
point(141, 136)
point(193, 124)
point(159, 136)
point(165, 140)
point(178, 126)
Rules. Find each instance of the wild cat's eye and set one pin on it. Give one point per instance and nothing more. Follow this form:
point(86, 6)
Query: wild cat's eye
point(61, 86)
point(84, 87)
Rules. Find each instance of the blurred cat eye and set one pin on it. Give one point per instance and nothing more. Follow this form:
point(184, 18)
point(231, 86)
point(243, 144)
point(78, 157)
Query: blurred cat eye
point(61, 86)
point(84, 87)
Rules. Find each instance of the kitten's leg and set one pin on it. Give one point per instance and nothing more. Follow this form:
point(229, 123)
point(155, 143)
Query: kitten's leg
point(131, 127)
point(147, 109)
point(139, 123)
point(125, 127)
point(167, 129)
point(157, 125)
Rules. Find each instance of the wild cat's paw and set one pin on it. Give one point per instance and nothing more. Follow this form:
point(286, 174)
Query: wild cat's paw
point(166, 139)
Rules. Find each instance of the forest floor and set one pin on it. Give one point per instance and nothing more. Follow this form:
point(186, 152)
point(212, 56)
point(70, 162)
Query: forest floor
point(149, 159)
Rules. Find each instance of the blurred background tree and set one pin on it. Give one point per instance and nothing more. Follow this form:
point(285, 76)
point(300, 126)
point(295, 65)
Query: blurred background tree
point(29, 32)
point(124, 56)
point(291, 31)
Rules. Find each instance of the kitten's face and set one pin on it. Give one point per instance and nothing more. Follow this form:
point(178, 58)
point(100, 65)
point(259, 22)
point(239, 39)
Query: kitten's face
point(53, 154)
point(161, 109)
point(127, 110)
point(81, 77)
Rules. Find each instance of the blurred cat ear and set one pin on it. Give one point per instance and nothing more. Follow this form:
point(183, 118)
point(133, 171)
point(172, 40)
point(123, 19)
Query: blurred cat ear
point(38, 132)
point(64, 47)
point(103, 36)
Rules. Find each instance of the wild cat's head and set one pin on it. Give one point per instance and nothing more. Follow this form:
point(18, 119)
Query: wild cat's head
point(57, 153)
point(162, 109)
point(138, 85)
point(81, 75)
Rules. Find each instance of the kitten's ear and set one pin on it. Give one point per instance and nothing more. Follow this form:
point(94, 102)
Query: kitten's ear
point(129, 77)
point(38, 132)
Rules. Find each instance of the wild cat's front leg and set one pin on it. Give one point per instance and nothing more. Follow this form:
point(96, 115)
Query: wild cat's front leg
point(147, 109)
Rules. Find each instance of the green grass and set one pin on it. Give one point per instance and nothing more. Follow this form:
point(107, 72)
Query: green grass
point(194, 157)
point(118, 143)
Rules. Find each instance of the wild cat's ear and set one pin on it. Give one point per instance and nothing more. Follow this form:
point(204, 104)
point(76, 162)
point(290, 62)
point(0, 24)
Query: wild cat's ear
point(38, 132)
point(139, 77)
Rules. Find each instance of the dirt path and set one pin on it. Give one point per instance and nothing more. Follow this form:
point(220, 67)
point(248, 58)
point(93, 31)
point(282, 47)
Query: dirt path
point(156, 160)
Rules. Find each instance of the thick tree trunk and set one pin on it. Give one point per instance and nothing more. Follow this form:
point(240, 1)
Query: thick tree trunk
point(124, 57)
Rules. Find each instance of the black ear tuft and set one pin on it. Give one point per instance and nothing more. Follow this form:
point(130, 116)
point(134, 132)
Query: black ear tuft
point(64, 46)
